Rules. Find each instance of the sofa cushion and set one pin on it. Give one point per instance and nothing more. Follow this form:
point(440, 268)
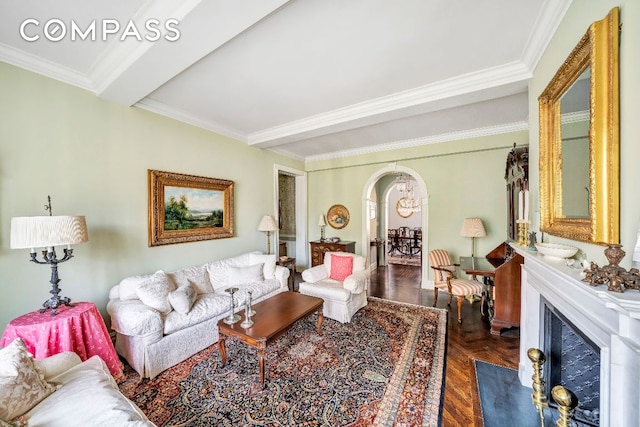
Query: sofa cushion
point(257, 289)
point(21, 385)
point(269, 262)
point(248, 274)
point(128, 286)
point(197, 276)
point(88, 396)
point(154, 292)
point(182, 299)
point(207, 306)
point(341, 267)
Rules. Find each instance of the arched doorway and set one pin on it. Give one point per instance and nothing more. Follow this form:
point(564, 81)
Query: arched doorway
point(368, 204)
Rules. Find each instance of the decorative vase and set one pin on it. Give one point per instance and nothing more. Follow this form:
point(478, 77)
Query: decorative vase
point(614, 254)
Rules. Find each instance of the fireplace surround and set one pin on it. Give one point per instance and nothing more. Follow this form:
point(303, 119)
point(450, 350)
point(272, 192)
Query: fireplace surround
point(610, 321)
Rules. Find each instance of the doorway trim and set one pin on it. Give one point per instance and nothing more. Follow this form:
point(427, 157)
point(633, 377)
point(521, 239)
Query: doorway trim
point(300, 176)
point(393, 169)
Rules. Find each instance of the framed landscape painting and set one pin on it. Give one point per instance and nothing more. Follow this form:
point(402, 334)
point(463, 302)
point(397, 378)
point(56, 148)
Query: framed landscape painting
point(188, 208)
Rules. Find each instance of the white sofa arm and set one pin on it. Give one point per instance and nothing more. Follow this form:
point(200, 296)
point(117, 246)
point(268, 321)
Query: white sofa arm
point(57, 364)
point(282, 274)
point(314, 274)
point(134, 318)
point(356, 283)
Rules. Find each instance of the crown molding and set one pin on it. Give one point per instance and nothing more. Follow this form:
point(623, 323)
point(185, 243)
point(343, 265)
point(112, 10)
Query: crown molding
point(44, 67)
point(182, 116)
point(461, 85)
point(428, 140)
point(551, 14)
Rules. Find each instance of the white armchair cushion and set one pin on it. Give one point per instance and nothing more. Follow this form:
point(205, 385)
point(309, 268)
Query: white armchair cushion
point(356, 283)
point(182, 299)
point(154, 292)
point(315, 274)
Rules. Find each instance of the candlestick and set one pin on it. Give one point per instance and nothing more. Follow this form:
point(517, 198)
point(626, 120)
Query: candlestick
point(526, 205)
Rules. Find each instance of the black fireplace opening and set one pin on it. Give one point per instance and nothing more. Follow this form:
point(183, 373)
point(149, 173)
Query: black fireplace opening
point(573, 361)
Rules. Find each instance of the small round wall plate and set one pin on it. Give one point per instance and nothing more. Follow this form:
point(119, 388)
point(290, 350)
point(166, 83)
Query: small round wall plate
point(338, 216)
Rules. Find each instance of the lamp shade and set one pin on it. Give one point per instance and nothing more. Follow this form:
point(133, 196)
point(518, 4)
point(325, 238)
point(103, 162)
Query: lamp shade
point(473, 227)
point(47, 231)
point(321, 221)
point(267, 223)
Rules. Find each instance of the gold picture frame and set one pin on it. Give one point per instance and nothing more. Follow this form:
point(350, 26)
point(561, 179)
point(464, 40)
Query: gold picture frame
point(338, 216)
point(597, 55)
point(188, 208)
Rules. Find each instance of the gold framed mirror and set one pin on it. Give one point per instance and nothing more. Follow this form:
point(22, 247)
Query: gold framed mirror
point(579, 140)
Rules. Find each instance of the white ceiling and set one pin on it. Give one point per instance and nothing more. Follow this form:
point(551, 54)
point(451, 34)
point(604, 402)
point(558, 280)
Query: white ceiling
point(312, 79)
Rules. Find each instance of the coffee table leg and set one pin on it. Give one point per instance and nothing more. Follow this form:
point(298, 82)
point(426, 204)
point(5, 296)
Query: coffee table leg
point(223, 350)
point(320, 319)
point(262, 346)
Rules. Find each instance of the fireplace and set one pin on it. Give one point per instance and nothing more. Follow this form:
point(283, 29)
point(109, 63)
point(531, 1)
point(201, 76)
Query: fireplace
point(573, 361)
point(606, 323)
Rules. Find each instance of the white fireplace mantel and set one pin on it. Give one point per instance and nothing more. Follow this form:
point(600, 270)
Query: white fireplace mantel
point(611, 320)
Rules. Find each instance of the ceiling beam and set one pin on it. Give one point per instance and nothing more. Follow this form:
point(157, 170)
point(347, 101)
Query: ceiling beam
point(131, 69)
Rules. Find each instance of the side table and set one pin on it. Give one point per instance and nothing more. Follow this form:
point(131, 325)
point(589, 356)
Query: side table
point(289, 263)
point(79, 329)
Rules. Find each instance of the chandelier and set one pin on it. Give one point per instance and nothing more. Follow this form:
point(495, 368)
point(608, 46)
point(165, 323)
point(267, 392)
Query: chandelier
point(407, 201)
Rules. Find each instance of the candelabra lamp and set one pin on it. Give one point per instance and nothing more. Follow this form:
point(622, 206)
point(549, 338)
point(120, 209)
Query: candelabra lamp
point(47, 232)
point(268, 224)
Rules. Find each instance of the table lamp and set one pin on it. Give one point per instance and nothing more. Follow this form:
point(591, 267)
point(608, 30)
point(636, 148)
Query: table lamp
point(322, 224)
point(473, 227)
point(47, 232)
point(268, 224)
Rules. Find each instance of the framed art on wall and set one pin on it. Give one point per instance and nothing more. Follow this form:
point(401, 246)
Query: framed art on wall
point(338, 216)
point(188, 208)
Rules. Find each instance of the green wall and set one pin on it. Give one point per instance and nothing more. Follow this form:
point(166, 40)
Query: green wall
point(463, 179)
point(574, 25)
point(92, 157)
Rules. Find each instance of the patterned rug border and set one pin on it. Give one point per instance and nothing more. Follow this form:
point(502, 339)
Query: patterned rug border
point(409, 399)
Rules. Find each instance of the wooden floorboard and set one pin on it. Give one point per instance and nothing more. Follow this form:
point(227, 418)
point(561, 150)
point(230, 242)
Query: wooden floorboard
point(467, 342)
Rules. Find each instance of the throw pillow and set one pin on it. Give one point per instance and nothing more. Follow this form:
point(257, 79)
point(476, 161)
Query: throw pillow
point(341, 267)
point(154, 292)
point(182, 299)
point(244, 275)
point(198, 276)
point(21, 385)
point(129, 285)
point(269, 261)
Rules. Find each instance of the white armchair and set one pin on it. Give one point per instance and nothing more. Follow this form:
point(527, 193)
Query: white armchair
point(343, 288)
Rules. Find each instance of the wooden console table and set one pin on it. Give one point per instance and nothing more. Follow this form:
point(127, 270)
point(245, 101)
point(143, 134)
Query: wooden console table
point(319, 248)
point(502, 268)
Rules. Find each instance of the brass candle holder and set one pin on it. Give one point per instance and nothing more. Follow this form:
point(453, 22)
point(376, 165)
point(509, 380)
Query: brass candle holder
point(523, 232)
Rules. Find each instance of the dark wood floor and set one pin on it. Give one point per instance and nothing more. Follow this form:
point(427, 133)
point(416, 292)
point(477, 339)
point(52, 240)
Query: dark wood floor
point(468, 341)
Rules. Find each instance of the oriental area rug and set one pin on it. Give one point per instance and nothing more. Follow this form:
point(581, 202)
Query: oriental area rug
point(385, 368)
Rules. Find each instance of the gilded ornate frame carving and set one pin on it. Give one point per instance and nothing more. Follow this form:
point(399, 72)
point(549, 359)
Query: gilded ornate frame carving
point(216, 218)
point(597, 49)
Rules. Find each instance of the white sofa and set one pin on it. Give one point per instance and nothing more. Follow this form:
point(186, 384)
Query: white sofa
point(62, 391)
point(342, 298)
point(161, 319)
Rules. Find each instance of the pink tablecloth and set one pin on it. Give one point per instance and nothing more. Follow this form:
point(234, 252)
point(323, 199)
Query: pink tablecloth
point(79, 329)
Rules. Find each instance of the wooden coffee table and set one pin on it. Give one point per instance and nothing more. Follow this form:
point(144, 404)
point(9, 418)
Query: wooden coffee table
point(274, 316)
